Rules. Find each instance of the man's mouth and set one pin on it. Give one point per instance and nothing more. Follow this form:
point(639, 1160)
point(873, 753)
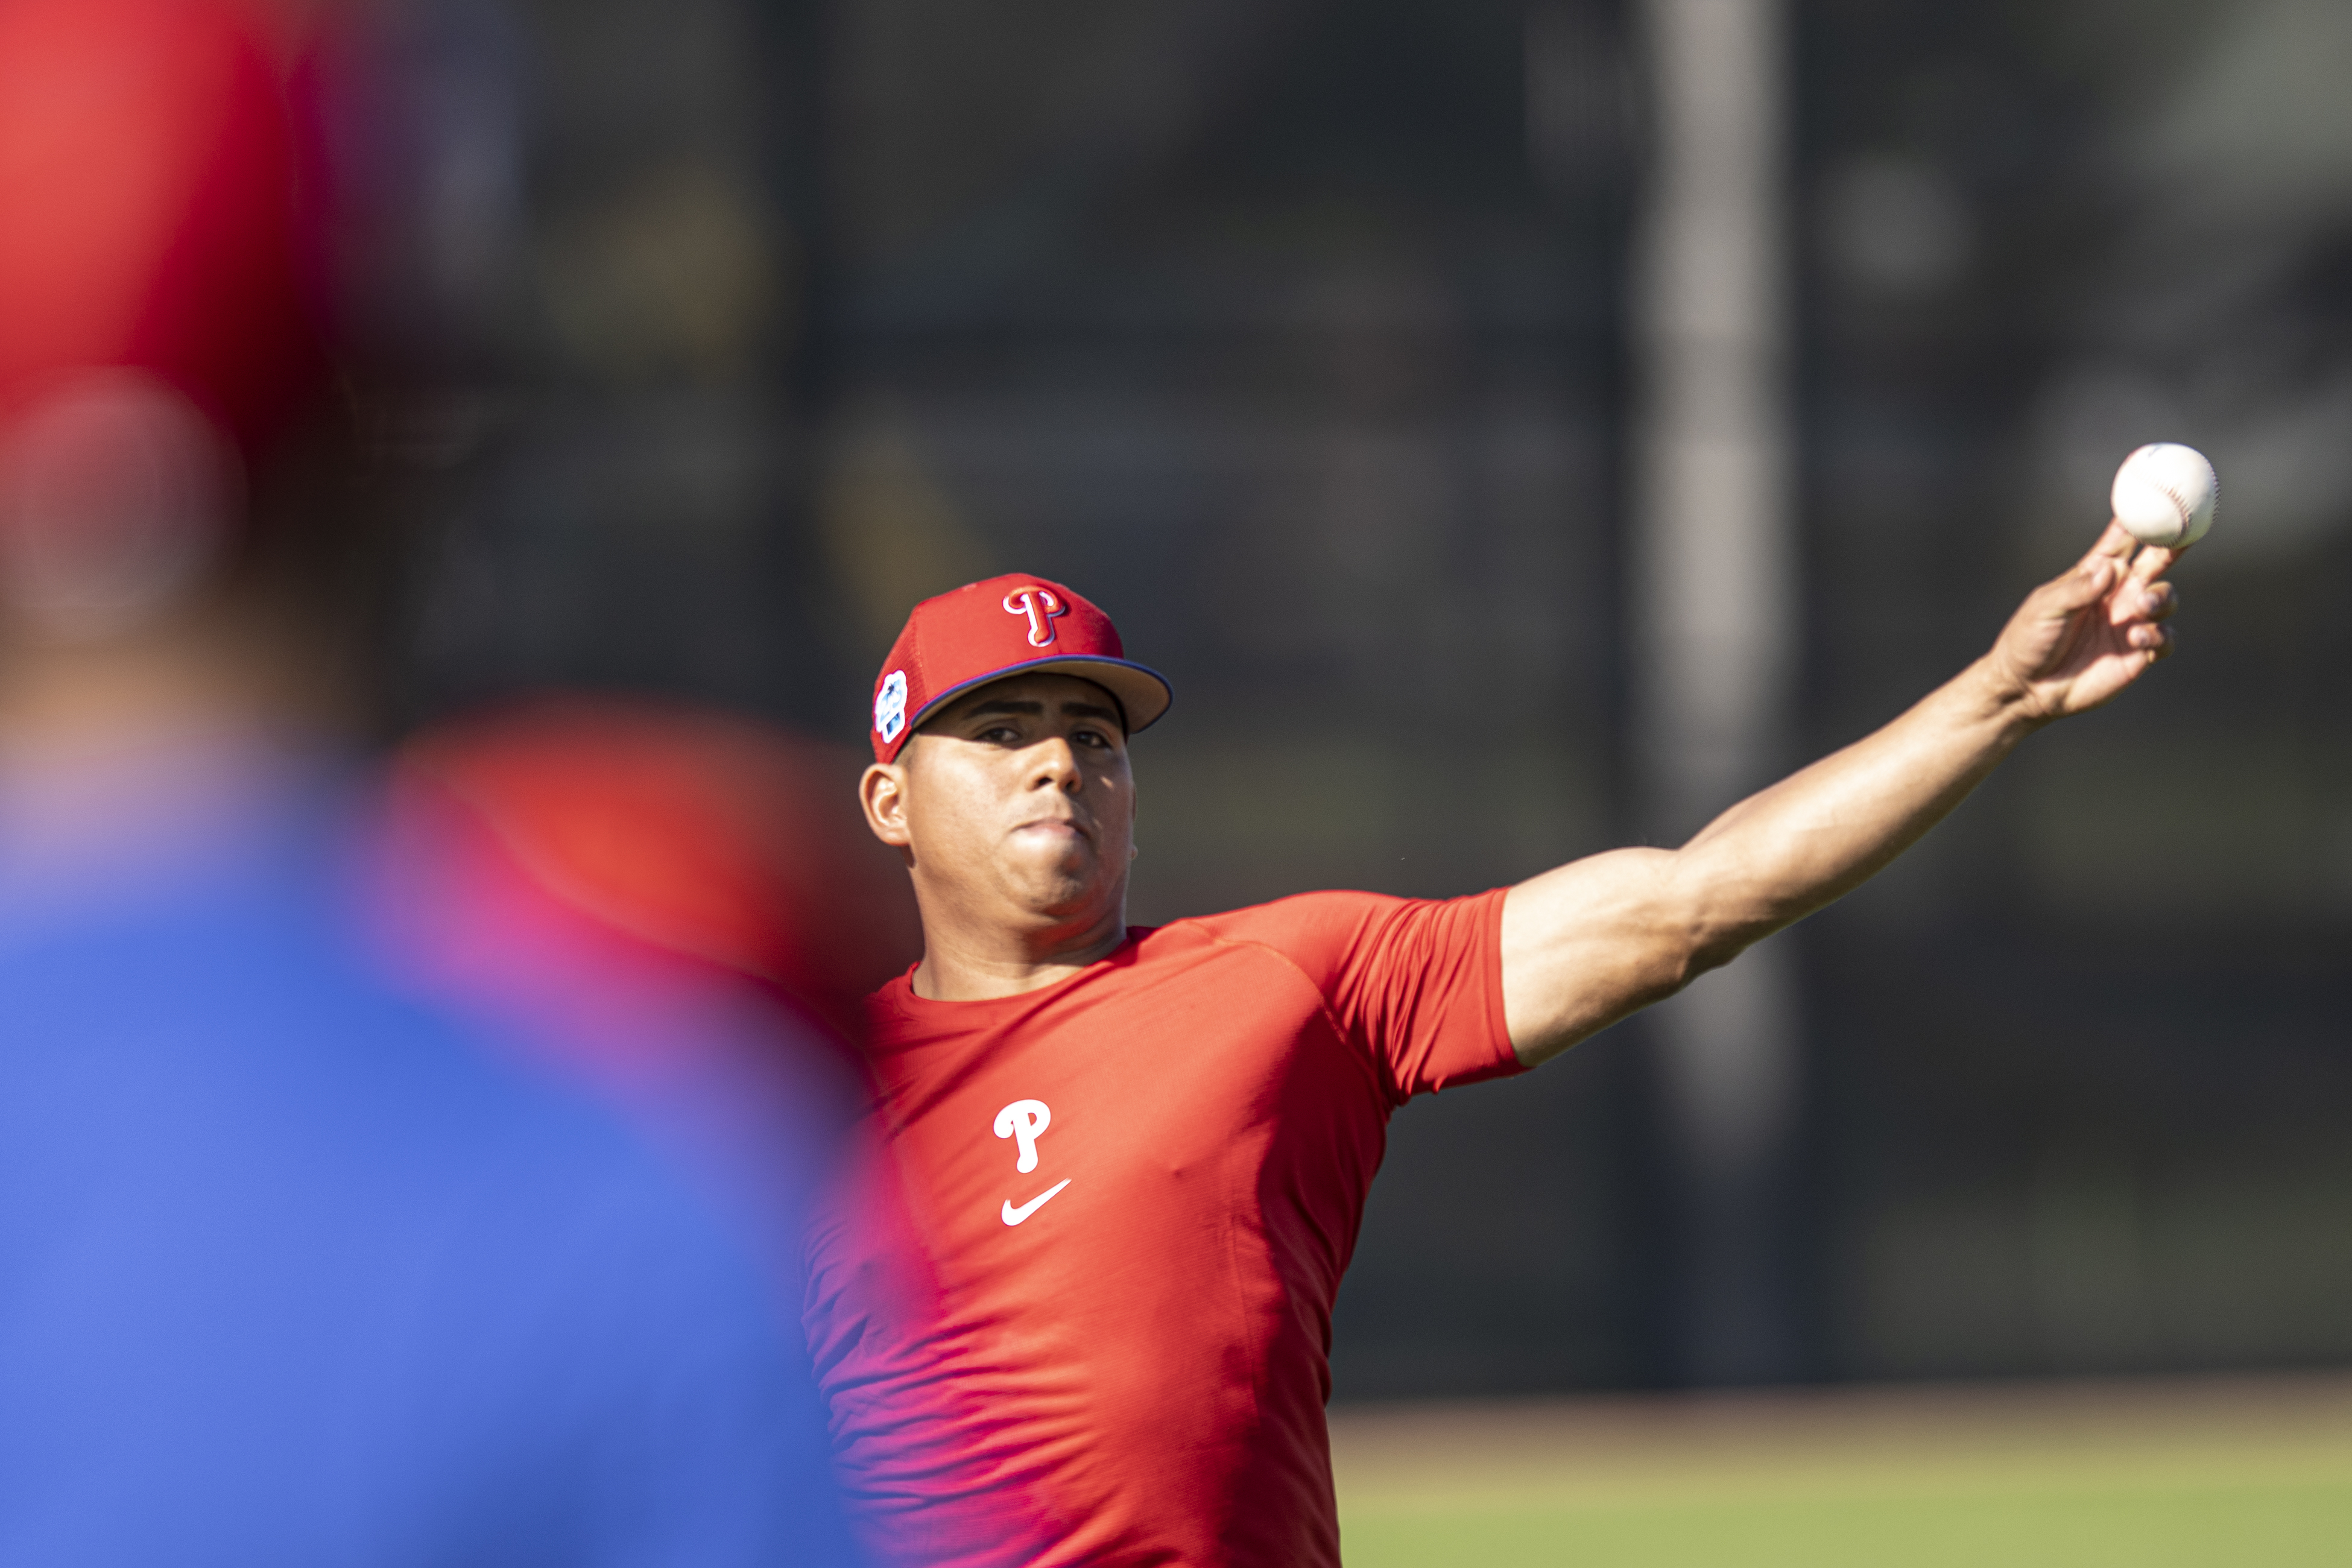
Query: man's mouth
point(1061, 825)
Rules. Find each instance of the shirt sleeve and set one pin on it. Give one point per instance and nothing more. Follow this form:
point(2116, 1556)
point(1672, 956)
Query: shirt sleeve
point(1416, 983)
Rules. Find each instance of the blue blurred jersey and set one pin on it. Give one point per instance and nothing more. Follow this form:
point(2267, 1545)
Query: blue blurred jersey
point(295, 1270)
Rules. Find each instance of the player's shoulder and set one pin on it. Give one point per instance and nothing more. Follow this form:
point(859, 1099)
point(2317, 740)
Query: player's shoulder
point(1309, 927)
point(1300, 912)
point(1336, 930)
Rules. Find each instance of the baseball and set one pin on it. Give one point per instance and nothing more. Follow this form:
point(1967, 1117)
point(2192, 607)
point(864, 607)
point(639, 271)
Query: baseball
point(2165, 495)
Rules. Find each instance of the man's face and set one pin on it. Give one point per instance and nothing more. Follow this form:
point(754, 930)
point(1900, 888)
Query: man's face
point(1015, 804)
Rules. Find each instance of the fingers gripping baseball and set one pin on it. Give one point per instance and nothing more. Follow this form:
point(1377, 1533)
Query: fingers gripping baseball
point(2079, 640)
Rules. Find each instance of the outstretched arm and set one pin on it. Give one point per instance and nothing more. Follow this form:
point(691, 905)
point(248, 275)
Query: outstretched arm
point(1604, 937)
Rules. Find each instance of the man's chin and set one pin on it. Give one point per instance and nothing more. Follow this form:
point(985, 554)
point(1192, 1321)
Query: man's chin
point(1063, 895)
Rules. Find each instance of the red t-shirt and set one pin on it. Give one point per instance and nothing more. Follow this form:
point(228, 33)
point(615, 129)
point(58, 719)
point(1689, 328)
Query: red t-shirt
point(1138, 1189)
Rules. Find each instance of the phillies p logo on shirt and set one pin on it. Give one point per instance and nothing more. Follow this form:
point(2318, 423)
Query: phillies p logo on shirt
point(1022, 1122)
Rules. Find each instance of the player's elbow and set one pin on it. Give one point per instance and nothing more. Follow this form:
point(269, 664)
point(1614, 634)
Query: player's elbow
point(1703, 926)
point(1681, 956)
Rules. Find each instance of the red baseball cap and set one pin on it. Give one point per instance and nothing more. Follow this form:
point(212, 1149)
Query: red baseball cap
point(149, 164)
point(1005, 626)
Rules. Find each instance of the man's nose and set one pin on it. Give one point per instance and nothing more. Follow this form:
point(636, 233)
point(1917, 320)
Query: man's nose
point(1054, 761)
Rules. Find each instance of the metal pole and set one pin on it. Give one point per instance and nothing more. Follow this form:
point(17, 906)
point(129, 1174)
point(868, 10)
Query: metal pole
point(1713, 569)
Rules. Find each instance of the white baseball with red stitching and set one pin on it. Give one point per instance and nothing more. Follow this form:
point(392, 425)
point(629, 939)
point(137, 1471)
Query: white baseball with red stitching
point(2165, 494)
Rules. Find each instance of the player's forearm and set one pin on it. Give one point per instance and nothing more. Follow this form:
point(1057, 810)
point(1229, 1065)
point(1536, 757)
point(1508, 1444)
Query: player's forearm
point(1586, 944)
point(1601, 938)
point(1819, 833)
point(1589, 942)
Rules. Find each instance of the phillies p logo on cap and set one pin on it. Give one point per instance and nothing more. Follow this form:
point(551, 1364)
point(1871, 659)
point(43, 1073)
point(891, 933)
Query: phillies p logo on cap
point(1043, 606)
point(1007, 626)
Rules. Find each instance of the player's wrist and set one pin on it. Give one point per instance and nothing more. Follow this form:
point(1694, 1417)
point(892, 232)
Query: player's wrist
point(2006, 700)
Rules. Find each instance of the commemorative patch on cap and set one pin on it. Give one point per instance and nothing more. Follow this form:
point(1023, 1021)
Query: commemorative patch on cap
point(1007, 626)
point(890, 706)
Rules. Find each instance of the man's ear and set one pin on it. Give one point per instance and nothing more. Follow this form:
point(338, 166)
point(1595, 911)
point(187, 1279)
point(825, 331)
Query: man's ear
point(882, 793)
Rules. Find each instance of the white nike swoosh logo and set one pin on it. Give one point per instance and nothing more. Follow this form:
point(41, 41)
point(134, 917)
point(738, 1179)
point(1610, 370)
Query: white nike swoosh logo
point(1015, 1215)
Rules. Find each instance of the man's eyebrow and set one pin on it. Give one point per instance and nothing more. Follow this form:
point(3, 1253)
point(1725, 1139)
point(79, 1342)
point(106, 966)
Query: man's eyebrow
point(1032, 707)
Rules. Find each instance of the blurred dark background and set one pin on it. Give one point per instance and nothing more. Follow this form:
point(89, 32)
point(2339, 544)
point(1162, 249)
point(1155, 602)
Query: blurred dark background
point(1297, 335)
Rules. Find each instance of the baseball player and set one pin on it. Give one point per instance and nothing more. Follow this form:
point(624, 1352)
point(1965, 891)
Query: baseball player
point(1139, 1156)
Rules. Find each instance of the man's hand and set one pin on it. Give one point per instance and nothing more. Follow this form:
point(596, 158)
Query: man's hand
point(2080, 638)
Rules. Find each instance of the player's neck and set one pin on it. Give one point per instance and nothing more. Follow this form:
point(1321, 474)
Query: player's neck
point(974, 966)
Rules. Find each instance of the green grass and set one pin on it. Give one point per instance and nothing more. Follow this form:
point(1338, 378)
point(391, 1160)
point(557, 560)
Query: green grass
point(2275, 1526)
point(2143, 1476)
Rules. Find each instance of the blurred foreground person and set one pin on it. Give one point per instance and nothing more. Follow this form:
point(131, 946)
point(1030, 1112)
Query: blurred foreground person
point(719, 840)
point(298, 1267)
point(1140, 1156)
point(684, 910)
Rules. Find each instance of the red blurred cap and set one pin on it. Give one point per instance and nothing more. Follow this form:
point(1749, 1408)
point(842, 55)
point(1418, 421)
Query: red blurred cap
point(1005, 626)
point(148, 169)
point(698, 834)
